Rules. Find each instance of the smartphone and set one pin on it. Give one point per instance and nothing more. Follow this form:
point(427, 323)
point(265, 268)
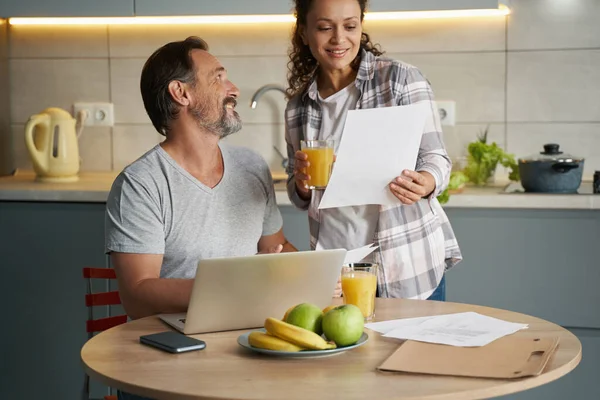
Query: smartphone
point(172, 342)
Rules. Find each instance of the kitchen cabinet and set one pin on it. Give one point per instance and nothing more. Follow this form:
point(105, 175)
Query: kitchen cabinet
point(108, 8)
point(44, 247)
point(295, 227)
point(236, 7)
point(539, 262)
point(581, 383)
point(211, 7)
point(67, 8)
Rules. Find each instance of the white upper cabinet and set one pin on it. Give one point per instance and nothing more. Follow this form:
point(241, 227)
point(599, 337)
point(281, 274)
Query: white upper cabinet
point(66, 8)
point(211, 7)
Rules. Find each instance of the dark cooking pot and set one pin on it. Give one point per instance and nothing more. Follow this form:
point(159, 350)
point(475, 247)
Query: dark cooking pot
point(551, 171)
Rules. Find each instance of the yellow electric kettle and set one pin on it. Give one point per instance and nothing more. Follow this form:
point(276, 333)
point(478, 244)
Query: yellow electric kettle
point(51, 139)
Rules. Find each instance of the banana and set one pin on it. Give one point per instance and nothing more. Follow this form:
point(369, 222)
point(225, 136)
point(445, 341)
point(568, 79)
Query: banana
point(265, 341)
point(296, 335)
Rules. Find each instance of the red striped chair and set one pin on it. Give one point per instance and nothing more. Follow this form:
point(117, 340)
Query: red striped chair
point(92, 300)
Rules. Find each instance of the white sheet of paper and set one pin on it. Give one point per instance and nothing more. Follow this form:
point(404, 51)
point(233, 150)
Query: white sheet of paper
point(377, 145)
point(355, 255)
point(468, 329)
point(388, 326)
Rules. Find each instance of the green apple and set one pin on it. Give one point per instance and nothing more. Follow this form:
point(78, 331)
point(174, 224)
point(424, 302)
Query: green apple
point(344, 325)
point(307, 316)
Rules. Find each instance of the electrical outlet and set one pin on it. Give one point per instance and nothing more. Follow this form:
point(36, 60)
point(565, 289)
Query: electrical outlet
point(98, 114)
point(447, 111)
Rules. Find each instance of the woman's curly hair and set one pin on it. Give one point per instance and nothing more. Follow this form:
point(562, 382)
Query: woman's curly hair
point(302, 65)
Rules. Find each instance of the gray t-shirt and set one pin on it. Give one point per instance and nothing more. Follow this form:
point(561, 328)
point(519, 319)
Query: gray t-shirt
point(157, 207)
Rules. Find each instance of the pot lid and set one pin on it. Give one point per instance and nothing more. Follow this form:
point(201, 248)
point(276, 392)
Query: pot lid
point(553, 153)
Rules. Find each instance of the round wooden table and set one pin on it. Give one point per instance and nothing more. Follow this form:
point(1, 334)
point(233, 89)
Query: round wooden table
point(225, 370)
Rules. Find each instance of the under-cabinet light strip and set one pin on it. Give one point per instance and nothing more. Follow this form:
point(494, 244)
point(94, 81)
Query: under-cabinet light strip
point(249, 19)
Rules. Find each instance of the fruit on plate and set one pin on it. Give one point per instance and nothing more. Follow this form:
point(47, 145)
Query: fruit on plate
point(265, 341)
point(344, 324)
point(299, 336)
point(328, 308)
point(289, 310)
point(307, 316)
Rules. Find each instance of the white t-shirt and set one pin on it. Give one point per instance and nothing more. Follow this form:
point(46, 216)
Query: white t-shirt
point(344, 227)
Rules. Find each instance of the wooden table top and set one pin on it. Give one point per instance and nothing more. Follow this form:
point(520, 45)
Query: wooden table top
point(226, 370)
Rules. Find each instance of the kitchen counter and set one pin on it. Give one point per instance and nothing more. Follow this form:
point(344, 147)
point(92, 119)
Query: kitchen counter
point(93, 187)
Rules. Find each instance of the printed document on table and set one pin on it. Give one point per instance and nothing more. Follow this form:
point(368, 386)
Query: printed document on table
point(377, 145)
point(468, 329)
point(390, 325)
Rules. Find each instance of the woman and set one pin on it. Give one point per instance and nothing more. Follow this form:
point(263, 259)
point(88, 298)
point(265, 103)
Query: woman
point(334, 68)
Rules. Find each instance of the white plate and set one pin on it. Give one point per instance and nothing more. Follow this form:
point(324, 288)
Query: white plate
point(243, 341)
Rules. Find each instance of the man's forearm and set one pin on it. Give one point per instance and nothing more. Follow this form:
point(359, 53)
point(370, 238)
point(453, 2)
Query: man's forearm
point(288, 247)
point(155, 296)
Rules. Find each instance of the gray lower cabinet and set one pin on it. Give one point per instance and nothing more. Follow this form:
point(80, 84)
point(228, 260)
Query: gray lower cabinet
point(43, 248)
point(67, 8)
point(579, 384)
point(541, 263)
point(295, 227)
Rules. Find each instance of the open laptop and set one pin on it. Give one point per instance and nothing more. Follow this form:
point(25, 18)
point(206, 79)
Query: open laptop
point(241, 292)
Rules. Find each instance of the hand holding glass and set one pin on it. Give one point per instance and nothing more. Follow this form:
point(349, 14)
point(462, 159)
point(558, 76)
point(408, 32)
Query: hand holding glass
point(320, 158)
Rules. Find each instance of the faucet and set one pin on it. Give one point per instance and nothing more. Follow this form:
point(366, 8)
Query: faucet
point(262, 90)
point(254, 102)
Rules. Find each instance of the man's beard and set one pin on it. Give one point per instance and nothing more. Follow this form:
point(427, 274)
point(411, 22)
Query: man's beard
point(225, 125)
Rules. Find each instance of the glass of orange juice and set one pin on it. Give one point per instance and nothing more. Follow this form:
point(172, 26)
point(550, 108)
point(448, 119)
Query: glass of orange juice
point(320, 158)
point(359, 287)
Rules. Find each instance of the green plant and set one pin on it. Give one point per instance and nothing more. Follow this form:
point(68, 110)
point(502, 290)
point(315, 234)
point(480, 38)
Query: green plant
point(483, 159)
point(457, 179)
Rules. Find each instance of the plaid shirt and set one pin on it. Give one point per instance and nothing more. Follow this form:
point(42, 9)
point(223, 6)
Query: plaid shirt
point(416, 242)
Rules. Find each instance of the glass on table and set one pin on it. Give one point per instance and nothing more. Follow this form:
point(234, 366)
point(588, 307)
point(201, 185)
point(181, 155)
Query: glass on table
point(359, 287)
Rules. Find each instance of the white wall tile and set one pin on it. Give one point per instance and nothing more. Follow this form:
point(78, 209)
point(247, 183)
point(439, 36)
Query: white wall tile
point(230, 39)
point(58, 41)
point(95, 149)
point(38, 84)
point(439, 35)
point(546, 86)
point(261, 138)
point(6, 154)
point(125, 90)
point(474, 80)
point(129, 107)
point(577, 139)
point(132, 141)
point(554, 24)
point(21, 158)
point(457, 138)
point(249, 74)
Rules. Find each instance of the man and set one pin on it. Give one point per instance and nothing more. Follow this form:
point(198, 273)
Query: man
point(192, 196)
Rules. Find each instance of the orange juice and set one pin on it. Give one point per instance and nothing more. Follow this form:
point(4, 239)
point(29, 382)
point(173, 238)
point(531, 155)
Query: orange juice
point(359, 288)
point(319, 170)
